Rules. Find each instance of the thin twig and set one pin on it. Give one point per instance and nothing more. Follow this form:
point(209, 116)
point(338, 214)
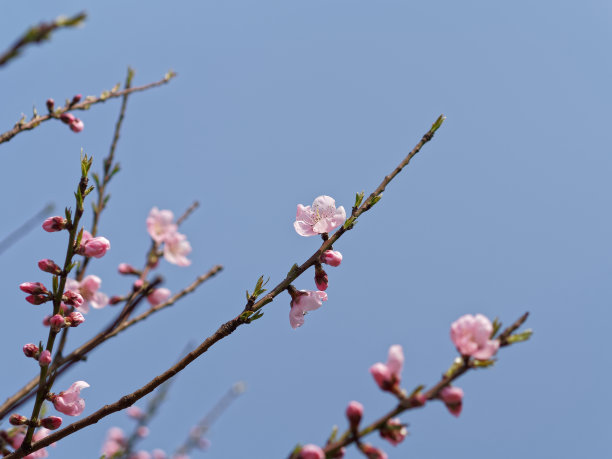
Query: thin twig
point(84, 105)
point(188, 212)
point(25, 228)
point(230, 326)
point(40, 33)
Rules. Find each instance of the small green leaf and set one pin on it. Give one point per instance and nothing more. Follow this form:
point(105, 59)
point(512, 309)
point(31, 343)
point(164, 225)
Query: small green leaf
point(358, 199)
point(293, 270)
point(116, 87)
point(457, 363)
point(518, 337)
point(483, 363)
point(416, 390)
point(246, 314)
point(333, 435)
point(375, 199)
point(349, 223)
point(496, 326)
point(248, 295)
point(437, 124)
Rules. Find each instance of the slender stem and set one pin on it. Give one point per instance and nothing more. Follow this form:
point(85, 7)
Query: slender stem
point(84, 105)
point(230, 326)
point(25, 228)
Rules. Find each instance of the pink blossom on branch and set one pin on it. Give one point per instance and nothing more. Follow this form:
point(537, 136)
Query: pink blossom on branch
point(472, 336)
point(53, 224)
point(77, 125)
point(394, 431)
point(93, 246)
point(45, 358)
point(331, 258)
point(69, 401)
point(88, 288)
point(176, 249)
point(302, 302)
point(158, 296)
point(388, 376)
point(321, 217)
point(372, 452)
point(160, 224)
point(354, 413)
point(35, 288)
point(453, 399)
point(116, 441)
point(311, 452)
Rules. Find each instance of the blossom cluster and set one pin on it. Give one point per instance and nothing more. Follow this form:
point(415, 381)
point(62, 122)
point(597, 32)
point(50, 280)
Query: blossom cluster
point(163, 230)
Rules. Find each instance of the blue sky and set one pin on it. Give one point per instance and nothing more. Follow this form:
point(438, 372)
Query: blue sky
point(278, 102)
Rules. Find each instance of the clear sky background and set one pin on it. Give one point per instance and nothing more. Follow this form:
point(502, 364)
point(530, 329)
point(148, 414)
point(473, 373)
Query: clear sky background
point(277, 102)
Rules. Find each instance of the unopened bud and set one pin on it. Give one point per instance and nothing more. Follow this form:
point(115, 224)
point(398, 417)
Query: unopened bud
point(49, 266)
point(331, 258)
point(67, 118)
point(30, 350)
point(94, 247)
point(77, 125)
point(51, 422)
point(125, 268)
point(354, 413)
point(50, 105)
point(72, 298)
point(17, 420)
point(45, 321)
point(75, 318)
point(35, 288)
point(321, 278)
point(52, 224)
point(37, 299)
point(76, 99)
point(115, 300)
point(138, 284)
point(45, 358)
point(57, 322)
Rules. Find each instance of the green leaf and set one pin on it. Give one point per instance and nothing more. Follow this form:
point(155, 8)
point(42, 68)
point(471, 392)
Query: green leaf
point(246, 314)
point(293, 269)
point(437, 124)
point(518, 337)
point(358, 199)
point(349, 223)
point(496, 326)
point(333, 435)
point(248, 295)
point(416, 390)
point(375, 199)
point(483, 363)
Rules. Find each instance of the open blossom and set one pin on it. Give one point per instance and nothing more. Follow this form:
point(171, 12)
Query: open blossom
point(302, 302)
point(453, 399)
point(17, 439)
point(472, 336)
point(115, 442)
point(311, 452)
point(176, 249)
point(321, 217)
point(394, 431)
point(388, 376)
point(69, 401)
point(88, 288)
point(158, 296)
point(160, 224)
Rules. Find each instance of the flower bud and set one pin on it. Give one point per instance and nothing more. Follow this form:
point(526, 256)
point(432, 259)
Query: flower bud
point(45, 358)
point(51, 422)
point(37, 299)
point(50, 105)
point(321, 279)
point(393, 431)
point(17, 420)
point(95, 247)
point(77, 125)
point(72, 298)
point(67, 118)
point(158, 296)
point(142, 431)
point(115, 300)
point(453, 399)
point(125, 268)
point(331, 258)
point(311, 452)
point(372, 452)
point(138, 284)
point(76, 99)
point(35, 288)
point(75, 318)
point(52, 224)
point(57, 322)
point(30, 350)
point(45, 321)
point(354, 413)
point(49, 266)
point(134, 412)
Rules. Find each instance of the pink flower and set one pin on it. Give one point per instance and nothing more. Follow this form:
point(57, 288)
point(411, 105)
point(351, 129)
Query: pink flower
point(76, 125)
point(388, 376)
point(159, 454)
point(45, 358)
point(142, 431)
point(51, 422)
point(372, 452)
point(302, 302)
point(125, 268)
point(93, 247)
point(453, 399)
point(53, 224)
point(321, 279)
point(57, 322)
point(17, 439)
point(67, 118)
point(160, 224)
point(158, 296)
point(37, 299)
point(134, 412)
point(30, 350)
point(36, 288)
point(331, 258)
point(115, 442)
point(471, 335)
point(176, 249)
point(69, 401)
point(49, 266)
point(17, 419)
point(354, 413)
point(88, 288)
point(72, 298)
point(311, 452)
point(140, 455)
point(321, 217)
point(76, 318)
point(394, 431)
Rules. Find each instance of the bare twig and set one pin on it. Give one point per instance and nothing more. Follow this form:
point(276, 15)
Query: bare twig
point(230, 326)
point(84, 105)
point(25, 228)
point(40, 33)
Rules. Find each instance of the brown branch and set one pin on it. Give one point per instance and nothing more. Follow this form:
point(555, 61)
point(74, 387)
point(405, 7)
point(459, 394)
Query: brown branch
point(228, 327)
point(20, 232)
point(40, 33)
point(78, 354)
point(187, 213)
point(408, 403)
point(84, 105)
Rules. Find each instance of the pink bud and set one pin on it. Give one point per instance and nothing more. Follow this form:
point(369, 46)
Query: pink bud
point(67, 118)
point(311, 452)
point(95, 247)
point(49, 266)
point(453, 399)
point(354, 413)
point(158, 296)
point(51, 422)
point(52, 224)
point(372, 452)
point(125, 268)
point(17, 420)
point(394, 431)
point(134, 412)
point(331, 258)
point(35, 288)
point(77, 125)
point(418, 399)
point(50, 104)
point(30, 350)
point(138, 284)
point(321, 279)
point(115, 300)
point(37, 299)
point(142, 431)
point(57, 322)
point(76, 99)
point(76, 318)
point(45, 321)
point(45, 358)
point(72, 298)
